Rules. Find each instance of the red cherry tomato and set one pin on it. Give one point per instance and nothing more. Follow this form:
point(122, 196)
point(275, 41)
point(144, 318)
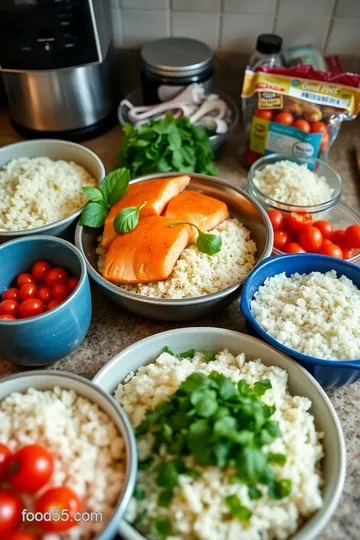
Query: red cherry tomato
point(41, 285)
point(29, 290)
point(284, 118)
point(338, 236)
point(281, 238)
point(351, 236)
point(310, 238)
point(294, 247)
point(325, 227)
point(299, 220)
point(11, 294)
point(326, 241)
point(331, 249)
point(303, 125)
point(7, 317)
point(348, 253)
point(318, 127)
point(324, 141)
point(55, 275)
point(30, 308)
point(60, 291)
point(39, 269)
point(52, 304)
point(263, 113)
point(30, 468)
point(5, 454)
point(25, 278)
point(11, 507)
point(9, 307)
point(251, 156)
point(19, 535)
point(61, 498)
point(277, 219)
point(74, 281)
point(44, 294)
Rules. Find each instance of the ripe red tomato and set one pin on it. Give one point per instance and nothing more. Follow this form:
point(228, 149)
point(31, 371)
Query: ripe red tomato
point(30, 308)
point(7, 317)
point(11, 294)
point(30, 468)
point(9, 307)
point(331, 249)
point(310, 238)
point(39, 269)
point(281, 238)
point(318, 127)
point(277, 220)
point(19, 535)
point(29, 290)
point(61, 498)
point(303, 125)
point(60, 291)
point(284, 118)
point(44, 294)
point(10, 512)
point(348, 253)
point(263, 113)
point(294, 247)
point(5, 454)
point(299, 220)
point(25, 278)
point(351, 236)
point(324, 141)
point(326, 241)
point(251, 156)
point(73, 281)
point(338, 236)
point(325, 227)
point(52, 304)
point(55, 275)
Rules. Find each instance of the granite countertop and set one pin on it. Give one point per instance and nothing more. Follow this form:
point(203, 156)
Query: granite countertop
point(112, 330)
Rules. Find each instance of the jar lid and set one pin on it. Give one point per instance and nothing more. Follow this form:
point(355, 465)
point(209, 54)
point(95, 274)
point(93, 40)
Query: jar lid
point(269, 44)
point(176, 57)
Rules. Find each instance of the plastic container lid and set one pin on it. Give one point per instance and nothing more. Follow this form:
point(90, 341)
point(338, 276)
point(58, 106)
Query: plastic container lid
point(176, 57)
point(269, 44)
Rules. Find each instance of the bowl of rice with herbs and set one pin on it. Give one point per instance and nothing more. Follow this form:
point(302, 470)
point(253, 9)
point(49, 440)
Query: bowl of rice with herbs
point(235, 440)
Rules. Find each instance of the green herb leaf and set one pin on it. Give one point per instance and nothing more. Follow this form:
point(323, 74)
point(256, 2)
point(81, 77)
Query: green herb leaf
point(209, 356)
point(193, 382)
point(280, 459)
point(261, 386)
point(145, 464)
point(240, 512)
point(251, 463)
point(167, 475)
point(140, 518)
point(165, 497)
point(94, 214)
point(139, 493)
point(93, 194)
point(127, 219)
point(204, 401)
point(161, 527)
point(169, 351)
point(280, 489)
point(188, 354)
point(254, 493)
point(114, 185)
point(206, 242)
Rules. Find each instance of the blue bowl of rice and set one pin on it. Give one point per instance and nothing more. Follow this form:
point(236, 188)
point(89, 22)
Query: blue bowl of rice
point(330, 371)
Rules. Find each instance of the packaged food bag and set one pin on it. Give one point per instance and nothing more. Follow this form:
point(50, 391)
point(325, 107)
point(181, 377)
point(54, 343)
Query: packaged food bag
point(296, 111)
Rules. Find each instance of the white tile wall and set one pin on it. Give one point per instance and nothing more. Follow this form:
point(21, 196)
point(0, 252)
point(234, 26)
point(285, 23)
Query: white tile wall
point(233, 25)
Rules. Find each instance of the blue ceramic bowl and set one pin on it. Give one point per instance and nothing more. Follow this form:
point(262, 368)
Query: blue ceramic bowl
point(329, 373)
point(42, 340)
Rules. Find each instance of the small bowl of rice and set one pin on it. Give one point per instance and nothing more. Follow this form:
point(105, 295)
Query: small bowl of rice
point(308, 307)
point(41, 186)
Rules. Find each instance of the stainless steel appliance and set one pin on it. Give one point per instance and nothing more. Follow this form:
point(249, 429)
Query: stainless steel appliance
point(55, 58)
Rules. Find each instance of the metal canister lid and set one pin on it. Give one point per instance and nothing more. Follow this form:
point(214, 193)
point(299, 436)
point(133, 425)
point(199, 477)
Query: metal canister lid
point(176, 57)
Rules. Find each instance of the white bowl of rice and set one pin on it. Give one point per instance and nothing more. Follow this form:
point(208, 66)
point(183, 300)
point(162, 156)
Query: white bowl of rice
point(210, 501)
point(40, 186)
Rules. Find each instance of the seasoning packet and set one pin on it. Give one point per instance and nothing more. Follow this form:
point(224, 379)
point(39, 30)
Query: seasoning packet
point(296, 111)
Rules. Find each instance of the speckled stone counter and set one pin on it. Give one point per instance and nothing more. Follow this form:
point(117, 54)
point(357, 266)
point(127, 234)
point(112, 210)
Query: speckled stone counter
point(112, 330)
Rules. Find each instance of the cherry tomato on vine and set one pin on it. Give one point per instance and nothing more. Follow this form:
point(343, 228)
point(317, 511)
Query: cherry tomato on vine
point(325, 227)
point(28, 290)
point(352, 236)
point(10, 512)
point(299, 220)
point(285, 118)
point(30, 308)
point(9, 307)
point(5, 454)
point(277, 219)
point(303, 125)
point(30, 468)
point(61, 498)
point(310, 238)
point(263, 113)
point(25, 278)
point(281, 238)
point(40, 269)
point(294, 247)
point(11, 294)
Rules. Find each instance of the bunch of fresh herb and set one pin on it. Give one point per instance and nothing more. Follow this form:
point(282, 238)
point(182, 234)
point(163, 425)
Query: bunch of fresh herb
point(166, 144)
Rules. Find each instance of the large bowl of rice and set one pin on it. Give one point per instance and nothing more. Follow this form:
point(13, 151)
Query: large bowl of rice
point(200, 284)
point(146, 375)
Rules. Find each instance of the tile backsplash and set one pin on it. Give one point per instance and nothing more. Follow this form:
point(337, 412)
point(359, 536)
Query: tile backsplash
point(233, 25)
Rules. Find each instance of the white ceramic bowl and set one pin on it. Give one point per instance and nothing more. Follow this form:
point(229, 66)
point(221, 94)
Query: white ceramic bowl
point(46, 380)
point(53, 149)
point(300, 383)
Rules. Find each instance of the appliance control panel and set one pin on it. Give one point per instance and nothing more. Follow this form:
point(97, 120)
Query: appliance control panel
point(47, 34)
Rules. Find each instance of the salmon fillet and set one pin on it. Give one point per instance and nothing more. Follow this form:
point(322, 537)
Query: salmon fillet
point(205, 212)
point(157, 193)
point(147, 253)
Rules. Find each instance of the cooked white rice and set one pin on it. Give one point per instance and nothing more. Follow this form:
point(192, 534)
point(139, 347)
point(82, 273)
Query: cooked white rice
point(89, 452)
point(38, 191)
point(195, 273)
point(197, 510)
point(287, 182)
point(316, 314)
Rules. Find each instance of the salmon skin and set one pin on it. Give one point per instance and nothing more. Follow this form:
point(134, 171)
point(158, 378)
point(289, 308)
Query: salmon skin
point(147, 253)
point(201, 210)
point(156, 193)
